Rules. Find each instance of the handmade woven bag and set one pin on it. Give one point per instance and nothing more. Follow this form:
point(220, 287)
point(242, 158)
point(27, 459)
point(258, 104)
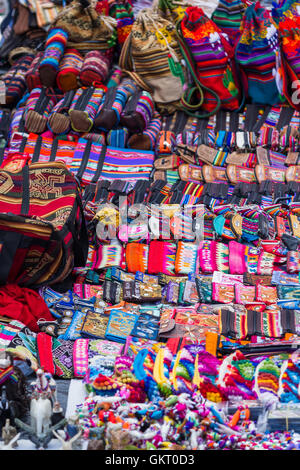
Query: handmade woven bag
point(228, 17)
point(151, 57)
point(42, 228)
point(213, 59)
point(258, 56)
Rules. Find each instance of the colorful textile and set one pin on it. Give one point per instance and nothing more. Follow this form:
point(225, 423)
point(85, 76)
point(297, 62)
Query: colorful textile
point(54, 50)
point(69, 70)
point(258, 55)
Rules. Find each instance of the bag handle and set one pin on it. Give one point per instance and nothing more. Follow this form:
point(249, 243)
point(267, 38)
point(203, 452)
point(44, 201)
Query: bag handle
point(85, 159)
point(100, 164)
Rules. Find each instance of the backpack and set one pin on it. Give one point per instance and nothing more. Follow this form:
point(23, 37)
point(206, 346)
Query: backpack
point(42, 227)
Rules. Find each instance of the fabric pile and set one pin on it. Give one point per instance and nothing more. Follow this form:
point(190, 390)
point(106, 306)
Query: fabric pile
point(150, 217)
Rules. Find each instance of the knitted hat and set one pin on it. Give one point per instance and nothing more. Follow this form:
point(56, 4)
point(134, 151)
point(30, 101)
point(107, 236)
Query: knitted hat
point(236, 377)
point(267, 376)
point(59, 121)
point(289, 391)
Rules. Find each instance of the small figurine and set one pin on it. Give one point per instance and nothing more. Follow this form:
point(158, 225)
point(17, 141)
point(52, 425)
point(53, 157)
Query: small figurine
point(67, 444)
point(5, 409)
point(57, 413)
point(8, 433)
point(41, 413)
point(12, 443)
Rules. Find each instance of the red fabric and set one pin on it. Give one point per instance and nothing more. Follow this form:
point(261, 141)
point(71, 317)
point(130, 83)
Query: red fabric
point(23, 304)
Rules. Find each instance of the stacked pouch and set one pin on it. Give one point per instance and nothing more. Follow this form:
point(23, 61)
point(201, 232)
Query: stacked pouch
point(136, 257)
point(37, 109)
point(186, 258)
point(148, 138)
point(69, 70)
point(113, 104)
point(84, 108)
point(54, 50)
point(15, 79)
point(161, 258)
point(95, 68)
point(59, 121)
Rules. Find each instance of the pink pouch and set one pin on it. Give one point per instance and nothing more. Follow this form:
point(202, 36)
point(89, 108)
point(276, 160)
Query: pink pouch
point(244, 294)
point(237, 264)
point(207, 256)
point(265, 264)
point(223, 294)
point(266, 294)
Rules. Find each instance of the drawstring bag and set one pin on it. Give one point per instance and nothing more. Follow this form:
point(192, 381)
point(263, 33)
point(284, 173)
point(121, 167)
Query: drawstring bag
point(122, 11)
point(285, 9)
point(151, 57)
point(228, 17)
point(289, 33)
point(258, 56)
point(213, 59)
point(84, 24)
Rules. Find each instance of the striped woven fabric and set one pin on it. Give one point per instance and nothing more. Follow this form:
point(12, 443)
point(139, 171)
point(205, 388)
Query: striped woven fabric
point(63, 150)
point(14, 79)
point(126, 164)
point(123, 13)
point(46, 12)
point(32, 77)
point(211, 52)
point(69, 69)
point(54, 50)
point(95, 68)
point(257, 54)
point(161, 257)
point(228, 16)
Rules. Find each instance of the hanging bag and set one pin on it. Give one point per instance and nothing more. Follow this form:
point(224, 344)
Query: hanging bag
point(209, 60)
point(151, 57)
point(258, 56)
